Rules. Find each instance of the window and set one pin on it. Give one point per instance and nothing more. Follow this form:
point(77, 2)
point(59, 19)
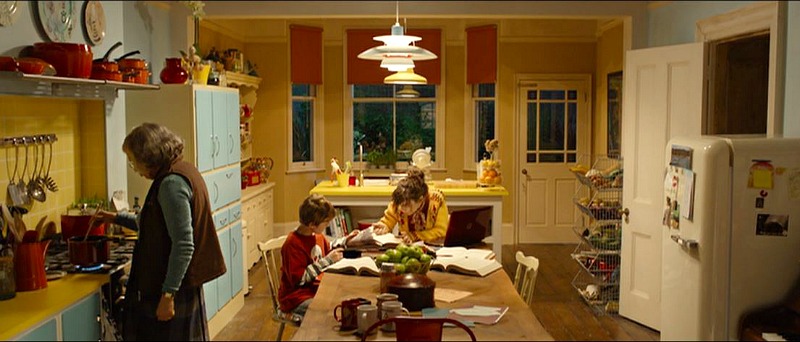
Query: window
point(483, 98)
point(305, 128)
point(391, 128)
point(551, 125)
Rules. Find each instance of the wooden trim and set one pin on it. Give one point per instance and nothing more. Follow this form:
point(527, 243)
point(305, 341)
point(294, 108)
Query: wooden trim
point(760, 16)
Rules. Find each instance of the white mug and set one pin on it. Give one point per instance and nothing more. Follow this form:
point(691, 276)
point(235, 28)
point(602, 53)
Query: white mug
point(392, 309)
point(367, 316)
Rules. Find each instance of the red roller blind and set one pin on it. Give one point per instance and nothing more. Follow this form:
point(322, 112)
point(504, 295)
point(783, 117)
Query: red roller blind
point(306, 51)
point(482, 54)
point(362, 71)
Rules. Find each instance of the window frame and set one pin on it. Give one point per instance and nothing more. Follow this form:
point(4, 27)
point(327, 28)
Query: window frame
point(347, 136)
point(317, 132)
point(471, 127)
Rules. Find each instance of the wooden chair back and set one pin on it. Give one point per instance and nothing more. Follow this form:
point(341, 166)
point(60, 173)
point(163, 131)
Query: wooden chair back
point(525, 277)
point(271, 257)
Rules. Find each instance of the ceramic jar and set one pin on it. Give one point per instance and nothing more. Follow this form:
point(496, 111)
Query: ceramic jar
point(173, 72)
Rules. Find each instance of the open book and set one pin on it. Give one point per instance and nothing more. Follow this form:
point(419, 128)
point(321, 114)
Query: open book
point(368, 238)
point(477, 262)
point(462, 252)
point(358, 266)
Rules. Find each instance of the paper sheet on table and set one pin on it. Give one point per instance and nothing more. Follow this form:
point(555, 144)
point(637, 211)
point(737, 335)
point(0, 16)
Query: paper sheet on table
point(449, 295)
point(477, 311)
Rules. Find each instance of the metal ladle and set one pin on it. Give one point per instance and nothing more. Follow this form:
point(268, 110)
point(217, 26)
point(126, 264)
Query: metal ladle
point(23, 188)
point(35, 189)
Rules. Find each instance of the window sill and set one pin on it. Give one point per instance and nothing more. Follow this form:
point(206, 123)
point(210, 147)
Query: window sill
point(309, 170)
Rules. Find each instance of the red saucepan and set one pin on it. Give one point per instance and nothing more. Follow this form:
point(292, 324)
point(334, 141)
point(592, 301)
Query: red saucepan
point(89, 250)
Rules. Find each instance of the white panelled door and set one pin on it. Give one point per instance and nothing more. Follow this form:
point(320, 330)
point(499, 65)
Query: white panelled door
point(662, 97)
point(554, 129)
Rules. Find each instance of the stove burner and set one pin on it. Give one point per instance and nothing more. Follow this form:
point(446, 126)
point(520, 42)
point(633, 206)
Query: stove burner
point(58, 259)
point(89, 269)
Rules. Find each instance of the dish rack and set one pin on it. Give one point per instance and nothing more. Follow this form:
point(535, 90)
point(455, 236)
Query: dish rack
point(599, 199)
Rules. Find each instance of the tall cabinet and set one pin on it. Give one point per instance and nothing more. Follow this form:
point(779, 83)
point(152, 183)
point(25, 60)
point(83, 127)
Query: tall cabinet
point(207, 118)
point(599, 200)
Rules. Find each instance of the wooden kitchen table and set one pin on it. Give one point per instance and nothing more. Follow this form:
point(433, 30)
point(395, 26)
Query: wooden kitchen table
point(496, 289)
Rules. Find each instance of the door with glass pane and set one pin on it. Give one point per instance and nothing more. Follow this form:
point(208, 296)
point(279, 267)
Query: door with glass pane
point(554, 132)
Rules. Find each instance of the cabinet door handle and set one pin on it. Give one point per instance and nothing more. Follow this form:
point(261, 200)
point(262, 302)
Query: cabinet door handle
point(230, 138)
point(216, 192)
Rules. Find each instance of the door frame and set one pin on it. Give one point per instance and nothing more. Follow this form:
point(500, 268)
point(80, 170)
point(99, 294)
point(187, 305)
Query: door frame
point(758, 17)
point(519, 80)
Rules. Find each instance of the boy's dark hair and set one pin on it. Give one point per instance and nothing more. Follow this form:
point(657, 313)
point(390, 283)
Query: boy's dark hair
point(316, 209)
point(413, 187)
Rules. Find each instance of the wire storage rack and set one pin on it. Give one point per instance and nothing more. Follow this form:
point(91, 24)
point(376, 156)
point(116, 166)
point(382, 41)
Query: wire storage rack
point(599, 199)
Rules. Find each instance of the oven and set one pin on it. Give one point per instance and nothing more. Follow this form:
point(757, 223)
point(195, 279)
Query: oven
point(113, 293)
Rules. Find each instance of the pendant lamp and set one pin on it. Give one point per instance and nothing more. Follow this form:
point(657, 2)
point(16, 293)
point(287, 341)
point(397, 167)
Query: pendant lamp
point(397, 63)
point(397, 45)
point(405, 77)
point(407, 92)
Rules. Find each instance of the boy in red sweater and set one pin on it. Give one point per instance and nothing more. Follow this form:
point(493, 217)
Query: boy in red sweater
point(305, 253)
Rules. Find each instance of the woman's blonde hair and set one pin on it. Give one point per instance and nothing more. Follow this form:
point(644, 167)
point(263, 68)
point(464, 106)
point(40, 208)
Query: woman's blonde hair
point(154, 146)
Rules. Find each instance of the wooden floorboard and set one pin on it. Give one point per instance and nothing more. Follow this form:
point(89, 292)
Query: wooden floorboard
point(556, 304)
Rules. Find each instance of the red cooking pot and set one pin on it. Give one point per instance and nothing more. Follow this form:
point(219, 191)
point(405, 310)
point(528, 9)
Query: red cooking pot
point(76, 225)
point(69, 59)
point(92, 251)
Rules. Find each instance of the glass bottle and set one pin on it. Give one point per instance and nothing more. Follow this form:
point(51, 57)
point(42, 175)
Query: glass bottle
point(387, 273)
point(136, 206)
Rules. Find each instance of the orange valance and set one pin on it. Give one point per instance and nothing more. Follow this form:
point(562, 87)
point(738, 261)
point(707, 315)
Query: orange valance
point(306, 52)
point(482, 54)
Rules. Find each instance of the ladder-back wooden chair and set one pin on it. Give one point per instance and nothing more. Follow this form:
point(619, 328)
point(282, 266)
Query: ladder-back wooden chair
point(271, 256)
point(525, 277)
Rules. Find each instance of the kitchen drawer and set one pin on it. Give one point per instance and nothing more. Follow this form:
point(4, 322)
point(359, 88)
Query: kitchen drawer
point(222, 218)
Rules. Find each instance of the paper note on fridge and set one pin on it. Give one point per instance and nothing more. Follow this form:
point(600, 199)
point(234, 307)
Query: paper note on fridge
point(687, 194)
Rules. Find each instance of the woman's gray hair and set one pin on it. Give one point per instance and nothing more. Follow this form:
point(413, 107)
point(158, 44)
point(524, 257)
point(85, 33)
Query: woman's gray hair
point(154, 146)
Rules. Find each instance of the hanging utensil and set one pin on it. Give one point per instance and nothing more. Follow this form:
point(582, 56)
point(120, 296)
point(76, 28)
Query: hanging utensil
point(49, 182)
point(40, 228)
point(13, 189)
point(23, 188)
point(35, 189)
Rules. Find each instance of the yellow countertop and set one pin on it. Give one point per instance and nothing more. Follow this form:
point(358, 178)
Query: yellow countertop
point(31, 307)
point(327, 188)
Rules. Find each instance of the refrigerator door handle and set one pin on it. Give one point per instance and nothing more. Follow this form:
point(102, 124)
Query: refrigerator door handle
point(684, 242)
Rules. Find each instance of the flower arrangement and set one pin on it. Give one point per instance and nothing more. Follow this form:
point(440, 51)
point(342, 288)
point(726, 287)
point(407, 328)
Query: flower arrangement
point(196, 7)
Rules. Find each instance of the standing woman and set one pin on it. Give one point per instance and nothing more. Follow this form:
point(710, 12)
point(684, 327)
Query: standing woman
point(177, 249)
point(420, 211)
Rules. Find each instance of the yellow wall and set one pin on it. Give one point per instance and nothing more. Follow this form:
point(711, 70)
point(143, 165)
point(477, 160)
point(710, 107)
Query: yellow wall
point(78, 156)
point(609, 60)
point(565, 49)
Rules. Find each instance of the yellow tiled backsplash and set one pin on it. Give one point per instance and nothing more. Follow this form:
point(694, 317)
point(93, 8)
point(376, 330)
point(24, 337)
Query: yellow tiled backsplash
point(79, 159)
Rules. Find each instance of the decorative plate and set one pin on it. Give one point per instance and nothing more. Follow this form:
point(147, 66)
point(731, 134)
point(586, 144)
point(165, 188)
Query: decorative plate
point(56, 19)
point(9, 10)
point(94, 22)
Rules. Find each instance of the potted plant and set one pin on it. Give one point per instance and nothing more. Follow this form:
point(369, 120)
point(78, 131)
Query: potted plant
point(374, 158)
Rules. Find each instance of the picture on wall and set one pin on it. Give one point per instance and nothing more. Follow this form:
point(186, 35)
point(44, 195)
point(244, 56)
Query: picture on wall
point(614, 113)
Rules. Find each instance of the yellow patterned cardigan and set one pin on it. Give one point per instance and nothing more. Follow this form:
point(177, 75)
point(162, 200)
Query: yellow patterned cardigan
point(436, 218)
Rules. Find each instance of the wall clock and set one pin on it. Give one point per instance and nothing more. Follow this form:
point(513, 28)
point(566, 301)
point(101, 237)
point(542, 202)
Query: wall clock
point(56, 19)
point(94, 22)
point(9, 10)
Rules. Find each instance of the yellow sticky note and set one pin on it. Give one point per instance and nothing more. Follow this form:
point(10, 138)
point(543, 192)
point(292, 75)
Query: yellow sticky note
point(762, 179)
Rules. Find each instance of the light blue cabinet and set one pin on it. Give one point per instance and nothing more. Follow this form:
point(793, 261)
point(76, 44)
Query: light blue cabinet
point(210, 296)
point(81, 322)
point(206, 144)
point(45, 332)
point(224, 282)
point(237, 261)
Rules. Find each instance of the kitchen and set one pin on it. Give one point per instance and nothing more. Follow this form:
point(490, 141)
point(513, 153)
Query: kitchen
point(84, 167)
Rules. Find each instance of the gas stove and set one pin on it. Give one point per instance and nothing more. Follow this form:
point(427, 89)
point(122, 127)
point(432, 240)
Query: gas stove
point(120, 255)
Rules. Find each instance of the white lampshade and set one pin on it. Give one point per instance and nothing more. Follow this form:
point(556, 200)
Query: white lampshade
point(397, 63)
point(405, 77)
point(397, 45)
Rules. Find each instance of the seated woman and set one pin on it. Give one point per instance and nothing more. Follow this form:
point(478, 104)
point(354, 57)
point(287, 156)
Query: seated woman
point(420, 211)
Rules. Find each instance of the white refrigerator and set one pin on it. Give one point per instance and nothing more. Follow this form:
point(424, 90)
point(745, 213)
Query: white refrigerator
point(731, 232)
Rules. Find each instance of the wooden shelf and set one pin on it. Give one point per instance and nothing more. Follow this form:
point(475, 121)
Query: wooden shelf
point(241, 80)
